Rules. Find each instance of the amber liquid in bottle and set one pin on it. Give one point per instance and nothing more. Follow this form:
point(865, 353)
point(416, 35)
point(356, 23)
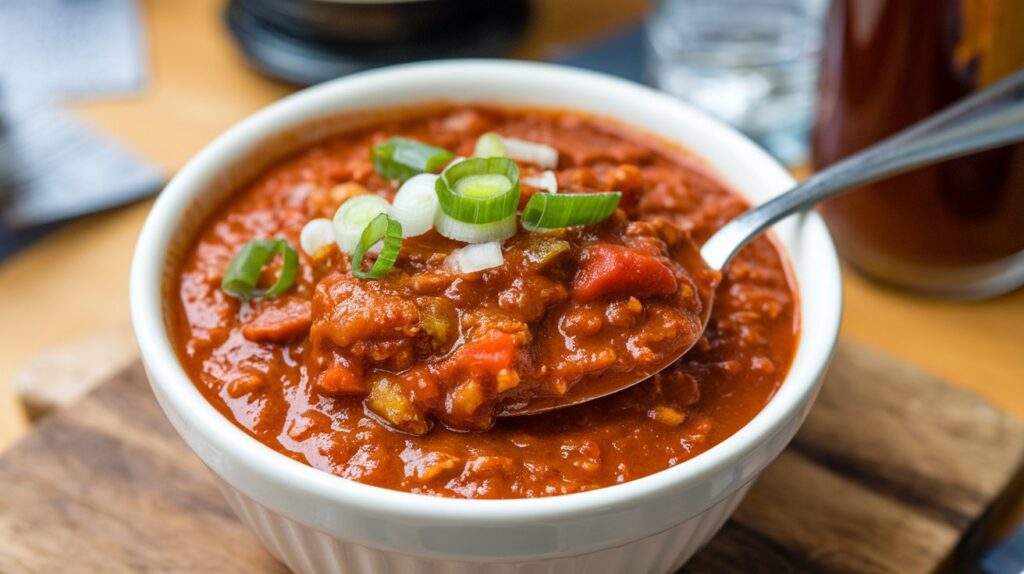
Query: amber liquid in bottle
point(888, 64)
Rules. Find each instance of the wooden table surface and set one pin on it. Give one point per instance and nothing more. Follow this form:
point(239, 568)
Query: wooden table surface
point(199, 86)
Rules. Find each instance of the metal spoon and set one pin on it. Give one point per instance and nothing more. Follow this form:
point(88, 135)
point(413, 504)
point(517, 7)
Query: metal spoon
point(989, 118)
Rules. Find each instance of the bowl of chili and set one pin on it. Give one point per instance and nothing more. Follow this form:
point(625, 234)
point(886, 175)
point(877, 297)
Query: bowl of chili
point(349, 409)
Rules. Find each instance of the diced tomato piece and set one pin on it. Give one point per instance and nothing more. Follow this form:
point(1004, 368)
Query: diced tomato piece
point(487, 355)
point(289, 320)
point(340, 380)
point(615, 270)
point(421, 381)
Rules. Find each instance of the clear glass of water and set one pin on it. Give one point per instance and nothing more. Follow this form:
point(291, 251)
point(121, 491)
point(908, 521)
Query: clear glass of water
point(751, 63)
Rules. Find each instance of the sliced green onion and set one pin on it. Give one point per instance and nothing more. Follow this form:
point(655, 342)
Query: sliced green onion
point(554, 210)
point(243, 273)
point(483, 186)
point(478, 257)
point(479, 190)
point(316, 235)
point(401, 158)
point(415, 204)
point(381, 227)
point(490, 145)
point(544, 181)
point(530, 152)
point(353, 216)
point(475, 232)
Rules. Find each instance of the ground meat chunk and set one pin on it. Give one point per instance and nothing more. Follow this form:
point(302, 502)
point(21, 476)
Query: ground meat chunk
point(370, 325)
point(280, 321)
point(349, 310)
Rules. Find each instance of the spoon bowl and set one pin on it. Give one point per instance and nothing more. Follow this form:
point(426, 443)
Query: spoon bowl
point(600, 385)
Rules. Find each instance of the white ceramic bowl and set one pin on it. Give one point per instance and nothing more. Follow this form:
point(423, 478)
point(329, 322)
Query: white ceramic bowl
point(316, 522)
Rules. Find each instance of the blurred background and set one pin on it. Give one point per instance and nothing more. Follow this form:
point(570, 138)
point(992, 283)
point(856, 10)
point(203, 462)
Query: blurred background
point(102, 100)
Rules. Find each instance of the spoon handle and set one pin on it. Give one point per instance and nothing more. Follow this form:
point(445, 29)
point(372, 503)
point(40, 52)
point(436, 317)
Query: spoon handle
point(989, 118)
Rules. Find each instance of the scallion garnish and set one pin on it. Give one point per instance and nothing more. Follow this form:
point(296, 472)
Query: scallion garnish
point(483, 186)
point(381, 227)
point(477, 257)
point(401, 158)
point(353, 216)
point(544, 181)
point(479, 190)
point(474, 232)
point(489, 145)
point(243, 273)
point(415, 204)
point(554, 210)
point(316, 235)
point(539, 154)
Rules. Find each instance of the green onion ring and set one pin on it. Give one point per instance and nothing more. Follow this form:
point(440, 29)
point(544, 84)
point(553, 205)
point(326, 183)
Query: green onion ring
point(481, 198)
point(380, 227)
point(243, 273)
point(401, 158)
point(554, 210)
point(489, 145)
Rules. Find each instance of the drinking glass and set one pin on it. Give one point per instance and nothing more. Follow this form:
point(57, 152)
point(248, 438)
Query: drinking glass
point(752, 63)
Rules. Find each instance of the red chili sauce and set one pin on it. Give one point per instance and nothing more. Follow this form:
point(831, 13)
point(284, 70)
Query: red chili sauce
point(395, 382)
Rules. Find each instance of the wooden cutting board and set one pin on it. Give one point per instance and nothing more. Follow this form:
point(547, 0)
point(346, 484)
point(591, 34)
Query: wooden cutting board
point(894, 471)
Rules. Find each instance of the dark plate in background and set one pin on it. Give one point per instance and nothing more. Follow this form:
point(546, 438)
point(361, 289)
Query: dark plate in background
point(310, 41)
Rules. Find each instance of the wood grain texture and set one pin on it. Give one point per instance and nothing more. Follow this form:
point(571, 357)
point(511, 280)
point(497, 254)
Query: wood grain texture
point(893, 472)
point(62, 376)
point(107, 486)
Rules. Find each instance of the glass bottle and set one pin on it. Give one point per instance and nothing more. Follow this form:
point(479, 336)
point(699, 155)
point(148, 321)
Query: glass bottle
point(956, 228)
